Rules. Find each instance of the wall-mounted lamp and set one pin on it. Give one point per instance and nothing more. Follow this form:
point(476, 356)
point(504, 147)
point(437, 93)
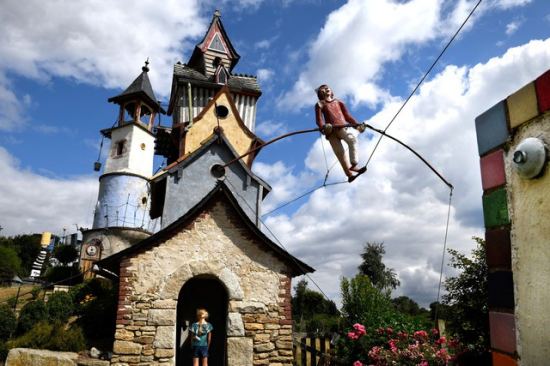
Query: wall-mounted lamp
point(529, 157)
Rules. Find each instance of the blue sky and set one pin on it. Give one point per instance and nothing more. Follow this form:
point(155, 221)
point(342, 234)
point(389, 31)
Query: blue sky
point(62, 60)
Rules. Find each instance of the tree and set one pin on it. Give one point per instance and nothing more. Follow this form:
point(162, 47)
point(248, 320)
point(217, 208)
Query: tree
point(27, 248)
point(312, 311)
point(407, 305)
point(65, 254)
point(372, 266)
point(10, 264)
point(64, 275)
point(467, 296)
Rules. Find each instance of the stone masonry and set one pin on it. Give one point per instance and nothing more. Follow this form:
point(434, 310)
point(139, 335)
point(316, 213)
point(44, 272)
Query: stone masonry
point(214, 243)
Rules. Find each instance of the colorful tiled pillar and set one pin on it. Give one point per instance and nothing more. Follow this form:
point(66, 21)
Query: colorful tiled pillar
point(517, 222)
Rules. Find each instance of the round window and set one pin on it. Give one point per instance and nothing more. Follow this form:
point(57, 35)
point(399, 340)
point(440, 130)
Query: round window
point(222, 111)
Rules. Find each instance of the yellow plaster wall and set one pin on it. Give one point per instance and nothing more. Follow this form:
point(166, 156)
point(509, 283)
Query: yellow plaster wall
point(522, 105)
point(234, 131)
point(529, 205)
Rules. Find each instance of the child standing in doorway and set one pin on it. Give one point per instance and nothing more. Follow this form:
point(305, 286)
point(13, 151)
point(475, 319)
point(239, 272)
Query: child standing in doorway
point(201, 333)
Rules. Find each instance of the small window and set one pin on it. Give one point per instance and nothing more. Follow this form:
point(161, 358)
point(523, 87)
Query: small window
point(221, 75)
point(216, 62)
point(217, 44)
point(119, 148)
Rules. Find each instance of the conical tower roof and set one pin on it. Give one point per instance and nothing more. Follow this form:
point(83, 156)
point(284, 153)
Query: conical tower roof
point(139, 88)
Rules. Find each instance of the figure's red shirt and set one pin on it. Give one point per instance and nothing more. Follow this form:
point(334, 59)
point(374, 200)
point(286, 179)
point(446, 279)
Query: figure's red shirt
point(333, 112)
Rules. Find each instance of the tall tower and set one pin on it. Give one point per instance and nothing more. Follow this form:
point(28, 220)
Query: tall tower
point(194, 85)
point(121, 216)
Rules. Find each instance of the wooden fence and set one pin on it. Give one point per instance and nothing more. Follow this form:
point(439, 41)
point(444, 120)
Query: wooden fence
point(313, 350)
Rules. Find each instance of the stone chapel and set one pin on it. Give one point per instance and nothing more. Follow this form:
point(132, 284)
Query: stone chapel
point(190, 235)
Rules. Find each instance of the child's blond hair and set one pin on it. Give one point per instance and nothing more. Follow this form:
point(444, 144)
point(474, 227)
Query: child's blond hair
point(201, 313)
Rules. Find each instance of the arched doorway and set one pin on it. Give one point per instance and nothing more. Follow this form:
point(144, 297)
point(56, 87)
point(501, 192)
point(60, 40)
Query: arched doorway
point(209, 293)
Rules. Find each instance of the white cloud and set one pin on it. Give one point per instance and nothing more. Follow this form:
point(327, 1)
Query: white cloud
point(348, 53)
point(269, 129)
point(512, 27)
point(361, 37)
point(32, 203)
point(399, 201)
point(507, 4)
point(265, 75)
point(12, 116)
point(97, 43)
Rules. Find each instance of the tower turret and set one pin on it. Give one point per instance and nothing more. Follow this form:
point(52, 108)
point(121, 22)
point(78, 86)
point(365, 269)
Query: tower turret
point(122, 211)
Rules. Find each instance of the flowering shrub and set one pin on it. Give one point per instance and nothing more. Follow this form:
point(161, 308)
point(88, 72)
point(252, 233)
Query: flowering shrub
point(402, 348)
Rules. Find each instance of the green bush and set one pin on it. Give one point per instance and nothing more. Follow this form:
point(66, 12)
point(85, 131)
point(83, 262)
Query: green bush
point(323, 324)
point(51, 336)
point(3, 351)
point(8, 322)
point(31, 314)
point(63, 275)
point(96, 304)
point(363, 303)
point(37, 337)
point(60, 306)
point(35, 292)
point(70, 340)
point(11, 302)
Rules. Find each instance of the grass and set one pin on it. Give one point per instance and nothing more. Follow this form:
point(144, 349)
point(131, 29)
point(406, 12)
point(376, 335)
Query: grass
point(25, 295)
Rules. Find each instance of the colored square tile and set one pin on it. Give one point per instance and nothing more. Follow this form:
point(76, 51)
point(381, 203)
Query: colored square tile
point(522, 105)
point(492, 170)
point(498, 249)
point(501, 290)
point(491, 128)
point(542, 85)
point(500, 359)
point(495, 208)
point(502, 327)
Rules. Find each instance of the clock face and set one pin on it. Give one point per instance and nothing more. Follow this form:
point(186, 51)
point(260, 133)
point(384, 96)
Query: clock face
point(91, 250)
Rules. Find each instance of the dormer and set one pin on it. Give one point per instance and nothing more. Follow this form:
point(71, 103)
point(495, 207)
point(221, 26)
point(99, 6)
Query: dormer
point(214, 50)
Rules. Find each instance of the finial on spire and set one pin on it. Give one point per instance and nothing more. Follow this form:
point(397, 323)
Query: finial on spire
point(217, 13)
point(146, 67)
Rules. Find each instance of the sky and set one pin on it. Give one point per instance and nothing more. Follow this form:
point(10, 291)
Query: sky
point(62, 60)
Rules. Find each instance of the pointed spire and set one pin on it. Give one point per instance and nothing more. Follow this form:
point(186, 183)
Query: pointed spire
point(140, 87)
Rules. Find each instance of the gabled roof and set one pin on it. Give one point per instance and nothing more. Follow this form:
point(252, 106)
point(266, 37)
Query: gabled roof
point(140, 87)
point(219, 192)
point(187, 159)
point(201, 47)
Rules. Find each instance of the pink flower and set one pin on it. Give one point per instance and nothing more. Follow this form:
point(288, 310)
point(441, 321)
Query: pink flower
point(359, 328)
point(392, 345)
point(374, 353)
point(435, 332)
point(441, 340)
point(352, 335)
point(389, 330)
point(442, 354)
point(358, 363)
point(424, 363)
point(420, 334)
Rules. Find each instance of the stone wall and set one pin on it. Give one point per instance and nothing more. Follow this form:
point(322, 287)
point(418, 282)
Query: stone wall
point(215, 244)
